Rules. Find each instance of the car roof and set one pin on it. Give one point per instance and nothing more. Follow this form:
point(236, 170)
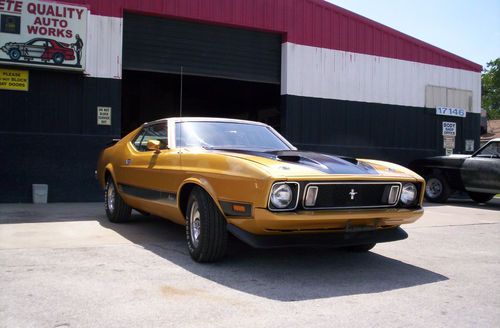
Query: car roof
point(205, 119)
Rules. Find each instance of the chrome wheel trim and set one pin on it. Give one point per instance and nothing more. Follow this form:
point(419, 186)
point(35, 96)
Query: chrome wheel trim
point(195, 224)
point(110, 194)
point(434, 188)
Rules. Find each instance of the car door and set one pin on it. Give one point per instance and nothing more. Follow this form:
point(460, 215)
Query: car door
point(481, 171)
point(35, 49)
point(147, 174)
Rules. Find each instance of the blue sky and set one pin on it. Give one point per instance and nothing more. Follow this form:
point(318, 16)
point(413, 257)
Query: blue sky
point(468, 28)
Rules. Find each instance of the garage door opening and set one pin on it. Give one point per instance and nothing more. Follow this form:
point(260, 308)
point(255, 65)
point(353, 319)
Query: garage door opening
point(148, 96)
point(228, 72)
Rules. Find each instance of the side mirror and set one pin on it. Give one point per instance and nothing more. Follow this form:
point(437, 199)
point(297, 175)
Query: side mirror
point(153, 145)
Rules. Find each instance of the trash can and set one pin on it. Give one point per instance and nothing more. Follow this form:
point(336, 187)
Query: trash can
point(40, 192)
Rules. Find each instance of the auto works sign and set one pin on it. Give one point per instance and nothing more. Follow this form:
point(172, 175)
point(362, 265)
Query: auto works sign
point(42, 33)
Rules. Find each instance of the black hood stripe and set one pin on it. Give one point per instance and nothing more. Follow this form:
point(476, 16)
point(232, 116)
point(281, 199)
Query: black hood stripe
point(326, 163)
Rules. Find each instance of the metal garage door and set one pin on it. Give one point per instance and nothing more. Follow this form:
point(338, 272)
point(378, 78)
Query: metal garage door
point(163, 45)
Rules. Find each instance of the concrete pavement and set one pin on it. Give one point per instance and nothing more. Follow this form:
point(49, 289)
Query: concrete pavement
point(65, 265)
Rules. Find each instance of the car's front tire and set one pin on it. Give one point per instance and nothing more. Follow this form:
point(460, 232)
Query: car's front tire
point(480, 197)
point(206, 230)
point(14, 54)
point(117, 210)
point(437, 189)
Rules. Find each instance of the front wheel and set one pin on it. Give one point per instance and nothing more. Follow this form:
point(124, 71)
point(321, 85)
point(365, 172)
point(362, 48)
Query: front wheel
point(206, 231)
point(480, 197)
point(116, 209)
point(437, 189)
point(14, 54)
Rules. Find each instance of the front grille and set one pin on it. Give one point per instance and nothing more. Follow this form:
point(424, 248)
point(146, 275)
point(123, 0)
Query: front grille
point(353, 195)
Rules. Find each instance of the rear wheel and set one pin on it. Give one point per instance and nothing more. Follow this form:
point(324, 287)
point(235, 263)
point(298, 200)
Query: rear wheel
point(480, 197)
point(206, 231)
point(360, 248)
point(437, 189)
point(58, 58)
point(116, 209)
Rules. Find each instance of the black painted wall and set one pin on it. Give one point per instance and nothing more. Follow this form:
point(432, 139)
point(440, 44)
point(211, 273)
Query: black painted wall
point(50, 135)
point(366, 130)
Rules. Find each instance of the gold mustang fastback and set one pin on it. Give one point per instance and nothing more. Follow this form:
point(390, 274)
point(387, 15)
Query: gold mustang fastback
point(221, 175)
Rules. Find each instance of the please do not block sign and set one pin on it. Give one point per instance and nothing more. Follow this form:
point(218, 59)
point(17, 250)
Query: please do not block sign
point(13, 79)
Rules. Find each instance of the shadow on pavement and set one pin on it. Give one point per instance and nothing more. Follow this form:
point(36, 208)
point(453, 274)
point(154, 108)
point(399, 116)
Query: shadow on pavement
point(278, 274)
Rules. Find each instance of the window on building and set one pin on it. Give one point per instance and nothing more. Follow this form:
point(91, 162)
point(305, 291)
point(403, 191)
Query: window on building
point(436, 96)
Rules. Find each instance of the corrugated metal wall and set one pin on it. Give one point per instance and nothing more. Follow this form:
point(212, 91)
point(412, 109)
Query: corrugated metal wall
point(332, 74)
point(202, 49)
point(307, 22)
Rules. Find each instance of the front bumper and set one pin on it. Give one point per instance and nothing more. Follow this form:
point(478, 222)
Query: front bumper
point(265, 222)
point(332, 239)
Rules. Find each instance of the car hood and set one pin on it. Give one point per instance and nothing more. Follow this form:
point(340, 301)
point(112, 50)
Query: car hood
point(291, 163)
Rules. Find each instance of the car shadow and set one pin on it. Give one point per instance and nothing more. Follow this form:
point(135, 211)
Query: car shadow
point(493, 204)
point(278, 274)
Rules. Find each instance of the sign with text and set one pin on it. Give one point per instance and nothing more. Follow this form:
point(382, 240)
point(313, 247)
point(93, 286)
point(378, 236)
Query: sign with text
point(449, 142)
point(469, 145)
point(448, 111)
point(11, 79)
point(449, 129)
point(43, 33)
point(103, 115)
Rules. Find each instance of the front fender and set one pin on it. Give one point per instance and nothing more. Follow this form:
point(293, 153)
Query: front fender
point(201, 182)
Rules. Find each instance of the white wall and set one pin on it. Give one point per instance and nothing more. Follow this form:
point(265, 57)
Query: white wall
point(333, 74)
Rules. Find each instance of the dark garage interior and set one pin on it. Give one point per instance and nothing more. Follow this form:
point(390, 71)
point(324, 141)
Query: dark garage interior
point(148, 96)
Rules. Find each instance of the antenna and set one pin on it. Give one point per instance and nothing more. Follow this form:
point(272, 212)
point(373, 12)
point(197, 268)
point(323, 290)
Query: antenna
point(180, 111)
point(180, 100)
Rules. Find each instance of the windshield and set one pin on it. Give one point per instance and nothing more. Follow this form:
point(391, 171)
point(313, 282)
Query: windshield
point(227, 135)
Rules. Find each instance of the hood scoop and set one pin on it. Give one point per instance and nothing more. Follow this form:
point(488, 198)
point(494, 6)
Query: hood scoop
point(289, 157)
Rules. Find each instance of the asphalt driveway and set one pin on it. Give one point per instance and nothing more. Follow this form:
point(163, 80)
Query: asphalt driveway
point(65, 265)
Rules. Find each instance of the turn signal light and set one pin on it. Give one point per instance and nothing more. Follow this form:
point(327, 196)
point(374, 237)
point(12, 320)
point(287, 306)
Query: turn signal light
point(239, 208)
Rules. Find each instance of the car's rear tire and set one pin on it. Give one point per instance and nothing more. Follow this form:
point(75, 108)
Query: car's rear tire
point(360, 248)
point(58, 58)
point(206, 230)
point(437, 189)
point(15, 54)
point(116, 209)
point(480, 197)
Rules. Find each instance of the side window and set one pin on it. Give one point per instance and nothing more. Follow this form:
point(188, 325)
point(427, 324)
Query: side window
point(154, 132)
point(492, 150)
point(138, 139)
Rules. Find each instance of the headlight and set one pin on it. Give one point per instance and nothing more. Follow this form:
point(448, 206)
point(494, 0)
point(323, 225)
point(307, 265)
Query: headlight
point(409, 194)
point(284, 196)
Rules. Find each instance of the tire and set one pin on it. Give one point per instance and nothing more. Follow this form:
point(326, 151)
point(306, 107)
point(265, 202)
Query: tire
point(360, 248)
point(116, 209)
point(206, 231)
point(15, 54)
point(58, 58)
point(480, 197)
point(437, 189)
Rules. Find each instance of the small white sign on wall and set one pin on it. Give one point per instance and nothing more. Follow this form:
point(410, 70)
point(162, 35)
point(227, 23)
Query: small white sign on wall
point(103, 115)
point(449, 129)
point(449, 142)
point(469, 145)
point(448, 111)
